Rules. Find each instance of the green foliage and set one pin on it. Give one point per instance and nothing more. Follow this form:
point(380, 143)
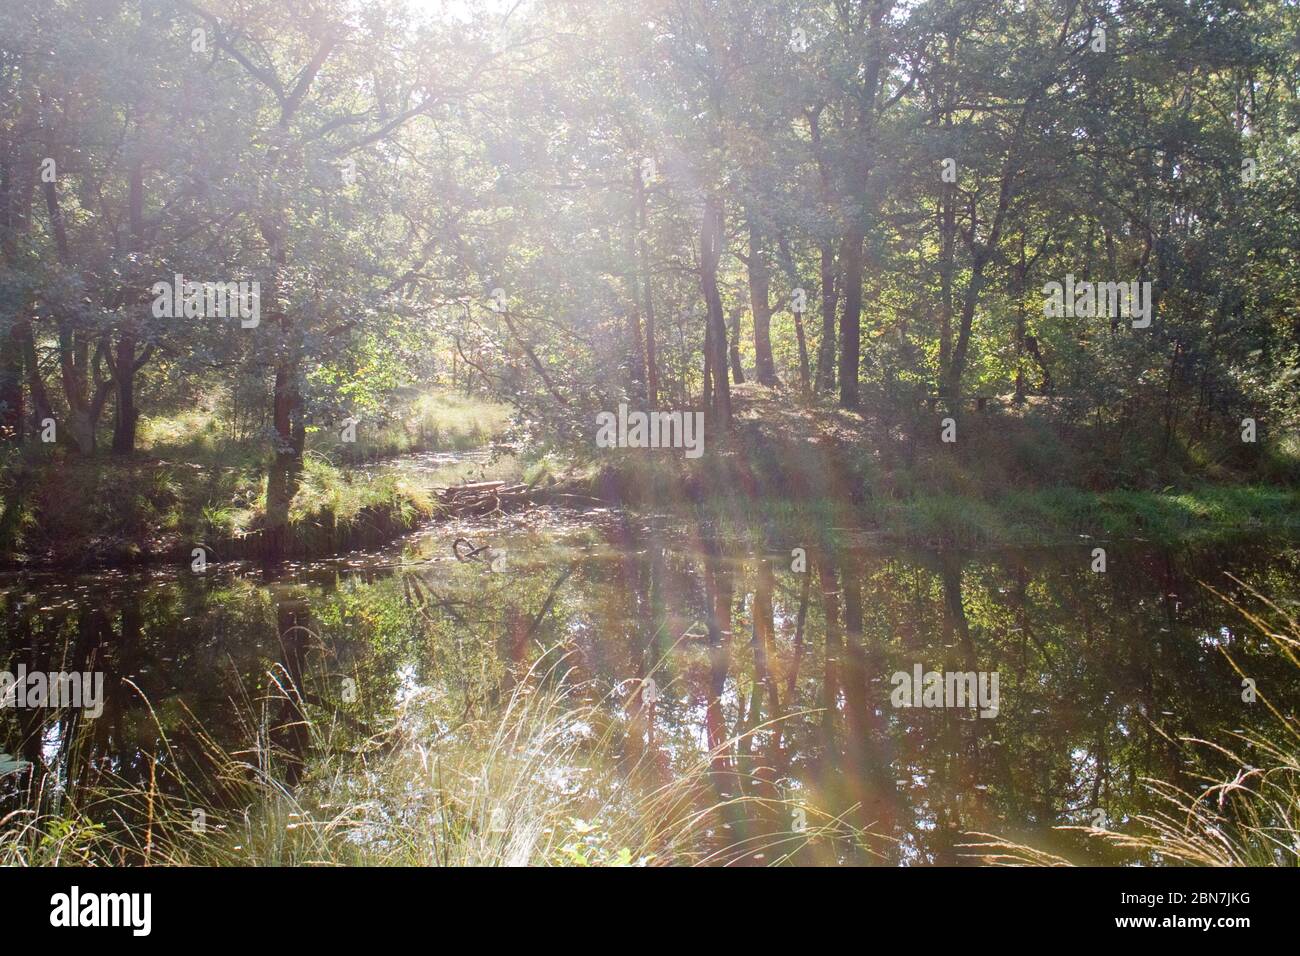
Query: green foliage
point(567, 156)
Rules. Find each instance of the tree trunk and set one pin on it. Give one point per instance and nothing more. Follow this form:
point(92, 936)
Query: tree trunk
point(636, 355)
point(826, 350)
point(711, 239)
point(124, 363)
point(11, 357)
point(759, 287)
point(76, 367)
point(647, 294)
point(651, 360)
point(11, 388)
point(1021, 322)
point(635, 345)
point(825, 381)
point(792, 273)
point(125, 412)
point(952, 386)
point(41, 409)
point(805, 383)
point(850, 325)
point(947, 250)
point(82, 430)
point(286, 462)
point(733, 348)
point(861, 208)
point(75, 363)
point(287, 422)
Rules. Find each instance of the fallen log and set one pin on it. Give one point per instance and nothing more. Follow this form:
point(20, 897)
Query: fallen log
point(487, 497)
point(475, 488)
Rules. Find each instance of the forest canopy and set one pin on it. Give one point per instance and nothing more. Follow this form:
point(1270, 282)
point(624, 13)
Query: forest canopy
point(566, 205)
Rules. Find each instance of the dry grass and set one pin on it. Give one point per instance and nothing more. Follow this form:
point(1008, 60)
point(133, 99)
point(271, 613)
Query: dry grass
point(539, 783)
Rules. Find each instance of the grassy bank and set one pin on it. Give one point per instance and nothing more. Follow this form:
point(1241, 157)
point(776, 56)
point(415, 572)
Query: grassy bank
point(1203, 515)
point(194, 483)
point(808, 474)
point(784, 471)
point(1036, 518)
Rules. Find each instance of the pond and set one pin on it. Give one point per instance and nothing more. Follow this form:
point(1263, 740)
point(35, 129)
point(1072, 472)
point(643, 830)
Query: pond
point(785, 672)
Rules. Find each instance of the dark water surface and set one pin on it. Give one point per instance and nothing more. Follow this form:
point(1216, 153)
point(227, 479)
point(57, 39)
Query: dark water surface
point(786, 675)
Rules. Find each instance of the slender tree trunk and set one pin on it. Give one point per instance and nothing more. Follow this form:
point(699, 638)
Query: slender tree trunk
point(953, 385)
point(947, 226)
point(733, 348)
point(825, 381)
point(124, 364)
point(1021, 331)
point(850, 325)
point(651, 360)
point(287, 422)
point(860, 211)
point(792, 273)
point(286, 462)
point(75, 362)
point(983, 252)
point(636, 355)
point(83, 408)
point(635, 345)
point(41, 409)
point(761, 307)
point(125, 412)
point(947, 259)
point(826, 349)
point(708, 364)
point(805, 381)
point(647, 292)
point(18, 189)
point(711, 239)
point(11, 357)
point(11, 388)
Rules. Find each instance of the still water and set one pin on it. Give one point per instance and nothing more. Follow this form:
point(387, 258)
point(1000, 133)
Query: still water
point(779, 672)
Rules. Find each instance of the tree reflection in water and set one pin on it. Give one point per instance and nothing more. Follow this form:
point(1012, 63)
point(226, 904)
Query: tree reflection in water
point(779, 679)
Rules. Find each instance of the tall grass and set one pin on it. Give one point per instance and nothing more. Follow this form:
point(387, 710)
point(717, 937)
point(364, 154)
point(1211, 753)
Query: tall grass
point(552, 777)
point(439, 421)
point(1250, 818)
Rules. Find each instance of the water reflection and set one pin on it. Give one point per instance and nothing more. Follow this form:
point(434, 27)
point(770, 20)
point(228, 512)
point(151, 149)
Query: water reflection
point(780, 678)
